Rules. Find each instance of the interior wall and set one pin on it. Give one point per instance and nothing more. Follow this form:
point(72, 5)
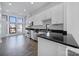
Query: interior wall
point(4, 25)
point(73, 20)
point(0, 20)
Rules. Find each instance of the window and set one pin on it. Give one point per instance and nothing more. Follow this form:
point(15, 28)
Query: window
point(19, 25)
point(19, 20)
point(12, 19)
point(15, 24)
point(12, 28)
point(19, 28)
point(12, 25)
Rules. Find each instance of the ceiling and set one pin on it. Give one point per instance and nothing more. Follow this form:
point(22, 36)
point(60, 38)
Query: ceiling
point(26, 8)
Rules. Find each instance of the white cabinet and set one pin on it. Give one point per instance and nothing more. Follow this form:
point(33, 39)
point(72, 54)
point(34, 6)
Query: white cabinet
point(46, 48)
point(50, 48)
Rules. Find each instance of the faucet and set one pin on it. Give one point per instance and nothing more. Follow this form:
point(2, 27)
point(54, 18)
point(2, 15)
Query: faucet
point(46, 26)
point(47, 30)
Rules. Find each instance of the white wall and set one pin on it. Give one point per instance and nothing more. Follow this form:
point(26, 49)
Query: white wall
point(73, 20)
point(72, 17)
point(4, 26)
point(55, 12)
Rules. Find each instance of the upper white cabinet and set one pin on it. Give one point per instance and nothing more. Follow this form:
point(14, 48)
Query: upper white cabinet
point(38, 22)
point(56, 13)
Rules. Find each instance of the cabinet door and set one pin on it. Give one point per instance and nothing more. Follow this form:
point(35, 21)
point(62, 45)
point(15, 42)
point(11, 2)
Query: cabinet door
point(50, 48)
point(61, 50)
point(46, 47)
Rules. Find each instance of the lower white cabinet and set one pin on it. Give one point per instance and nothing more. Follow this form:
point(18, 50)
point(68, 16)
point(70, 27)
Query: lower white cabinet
point(50, 48)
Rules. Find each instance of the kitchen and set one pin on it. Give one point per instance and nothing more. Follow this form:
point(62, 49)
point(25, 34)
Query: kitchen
point(47, 24)
point(53, 16)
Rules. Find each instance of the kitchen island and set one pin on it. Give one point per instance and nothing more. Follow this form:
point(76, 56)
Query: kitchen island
point(54, 45)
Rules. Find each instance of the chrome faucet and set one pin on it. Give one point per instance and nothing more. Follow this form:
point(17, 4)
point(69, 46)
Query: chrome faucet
point(46, 26)
point(47, 32)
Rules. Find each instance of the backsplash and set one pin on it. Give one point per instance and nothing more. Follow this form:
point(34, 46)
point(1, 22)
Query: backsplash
point(51, 26)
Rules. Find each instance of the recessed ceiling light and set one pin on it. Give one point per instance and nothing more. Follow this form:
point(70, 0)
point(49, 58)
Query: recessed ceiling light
point(10, 4)
point(24, 9)
point(32, 2)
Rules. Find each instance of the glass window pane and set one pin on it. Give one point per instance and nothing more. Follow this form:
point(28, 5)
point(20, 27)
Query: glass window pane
point(19, 27)
point(19, 20)
point(12, 28)
point(12, 19)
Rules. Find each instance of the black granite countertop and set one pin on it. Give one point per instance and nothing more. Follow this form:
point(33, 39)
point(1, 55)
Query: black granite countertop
point(52, 30)
point(67, 40)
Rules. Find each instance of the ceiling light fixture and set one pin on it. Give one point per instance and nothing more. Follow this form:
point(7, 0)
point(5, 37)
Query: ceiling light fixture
point(32, 2)
point(24, 9)
point(10, 4)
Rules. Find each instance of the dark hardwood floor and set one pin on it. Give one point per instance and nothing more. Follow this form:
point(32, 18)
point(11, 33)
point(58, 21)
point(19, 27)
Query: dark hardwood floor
point(18, 46)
